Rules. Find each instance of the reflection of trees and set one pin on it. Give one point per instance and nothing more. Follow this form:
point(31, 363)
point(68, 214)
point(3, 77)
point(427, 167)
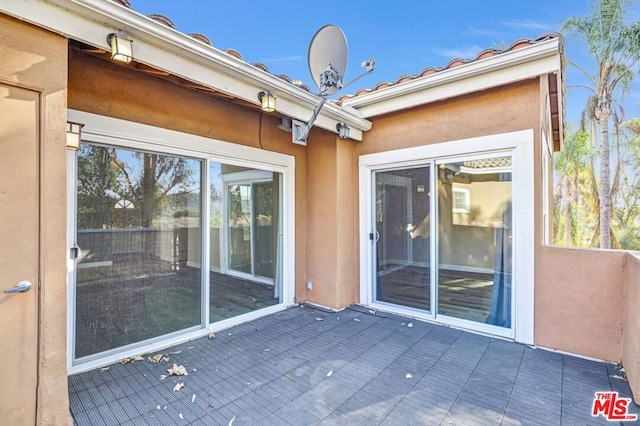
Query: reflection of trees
point(96, 183)
point(149, 181)
point(149, 187)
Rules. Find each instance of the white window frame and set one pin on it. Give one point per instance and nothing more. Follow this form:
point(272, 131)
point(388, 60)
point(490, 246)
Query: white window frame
point(126, 134)
point(520, 145)
point(467, 198)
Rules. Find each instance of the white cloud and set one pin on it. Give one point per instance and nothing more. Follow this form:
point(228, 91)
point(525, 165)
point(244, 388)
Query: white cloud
point(531, 25)
point(294, 58)
point(482, 32)
point(459, 52)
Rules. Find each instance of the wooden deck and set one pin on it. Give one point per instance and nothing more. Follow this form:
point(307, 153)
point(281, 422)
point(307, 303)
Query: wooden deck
point(465, 295)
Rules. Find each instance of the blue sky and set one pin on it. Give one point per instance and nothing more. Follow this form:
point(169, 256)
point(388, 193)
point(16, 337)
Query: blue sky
point(404, 36)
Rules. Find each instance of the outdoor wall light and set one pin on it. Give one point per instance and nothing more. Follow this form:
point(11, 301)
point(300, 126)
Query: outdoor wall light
point(74, 135)
point(121, 47)
point(267, 101)
point(343, 130)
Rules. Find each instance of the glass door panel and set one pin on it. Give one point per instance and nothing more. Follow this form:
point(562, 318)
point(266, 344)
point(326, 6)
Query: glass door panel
point(265, 238)
point(474, 234)
point(402, 237)
point(139, 231)
point(246, 240)
point(239, 227)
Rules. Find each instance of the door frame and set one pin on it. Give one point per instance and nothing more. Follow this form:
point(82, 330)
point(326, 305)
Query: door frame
point(115, 132)
point(520, 143)
point(247, 177)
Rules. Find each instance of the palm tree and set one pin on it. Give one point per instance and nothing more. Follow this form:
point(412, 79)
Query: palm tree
point(615, 47)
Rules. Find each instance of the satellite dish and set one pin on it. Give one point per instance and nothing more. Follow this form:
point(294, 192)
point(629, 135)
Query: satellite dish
point(328, 55)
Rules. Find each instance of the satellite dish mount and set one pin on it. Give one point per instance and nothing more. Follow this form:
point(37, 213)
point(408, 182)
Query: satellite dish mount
point(327, 57)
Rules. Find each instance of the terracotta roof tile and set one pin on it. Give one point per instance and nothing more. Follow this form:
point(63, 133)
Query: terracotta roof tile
point(162, 19)
point(124, 3)
point(201, 37)
point(233, 53)
point(260, 66)
point(487, 53)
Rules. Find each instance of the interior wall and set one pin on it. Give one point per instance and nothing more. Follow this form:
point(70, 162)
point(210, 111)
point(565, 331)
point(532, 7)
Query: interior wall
point(631, 334)
point(36, 59)
point(579, 300)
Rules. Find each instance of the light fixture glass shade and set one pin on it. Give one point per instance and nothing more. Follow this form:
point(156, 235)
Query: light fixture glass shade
point(343, 131)
point(74, 135)
point(121, 47)
point(267, 101)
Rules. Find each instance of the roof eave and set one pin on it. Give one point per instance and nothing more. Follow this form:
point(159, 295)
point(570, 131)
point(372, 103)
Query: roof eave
point(539, 59)
point(167, 49)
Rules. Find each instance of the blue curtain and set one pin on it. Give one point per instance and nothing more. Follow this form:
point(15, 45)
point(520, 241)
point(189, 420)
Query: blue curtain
point(501, 298)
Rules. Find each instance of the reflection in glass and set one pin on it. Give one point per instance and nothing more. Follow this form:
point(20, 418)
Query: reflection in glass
point(474, 231)
point(245, 240)
point(402, 233)
point(139, 230)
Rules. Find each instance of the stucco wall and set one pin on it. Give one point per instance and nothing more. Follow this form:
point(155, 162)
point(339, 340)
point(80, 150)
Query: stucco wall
point(36, 59)
point(500, 110)
point(580, 300)
point(631, 335)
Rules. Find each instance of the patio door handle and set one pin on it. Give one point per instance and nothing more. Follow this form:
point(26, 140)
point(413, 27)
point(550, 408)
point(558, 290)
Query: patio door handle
point(21, 287)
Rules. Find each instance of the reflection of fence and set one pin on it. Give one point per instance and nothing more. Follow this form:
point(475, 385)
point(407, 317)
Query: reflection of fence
point(102, 245)
point(179, 246)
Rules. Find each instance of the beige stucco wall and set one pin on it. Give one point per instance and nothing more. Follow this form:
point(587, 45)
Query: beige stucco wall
point(580, 301)
point(504, 109)
point(36, 59)
point(631, 334)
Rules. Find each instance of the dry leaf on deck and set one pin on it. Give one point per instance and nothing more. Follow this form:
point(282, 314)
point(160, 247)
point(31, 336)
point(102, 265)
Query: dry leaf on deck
point(232, 420)
point(177, 370)
point(212, 335)
point(158, 358)
point(193, 398)
point(410, 325)
point(176, 352)
point(319, 319)
point(330, 373)
point(177, 387)
point(104, 369)
point(181, 416)
point(408, 376)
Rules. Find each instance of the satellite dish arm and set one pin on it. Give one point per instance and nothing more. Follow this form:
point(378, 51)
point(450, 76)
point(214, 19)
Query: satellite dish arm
point(330, 77)
point(300, 130)
point(370, 65)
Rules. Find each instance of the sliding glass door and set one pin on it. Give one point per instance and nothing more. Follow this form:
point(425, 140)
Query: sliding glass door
point(474, 244)
point(146, 268)
point(246, 240)
point(139, 236)
point(464, 274)
point(250, 228)
point(402, 237)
